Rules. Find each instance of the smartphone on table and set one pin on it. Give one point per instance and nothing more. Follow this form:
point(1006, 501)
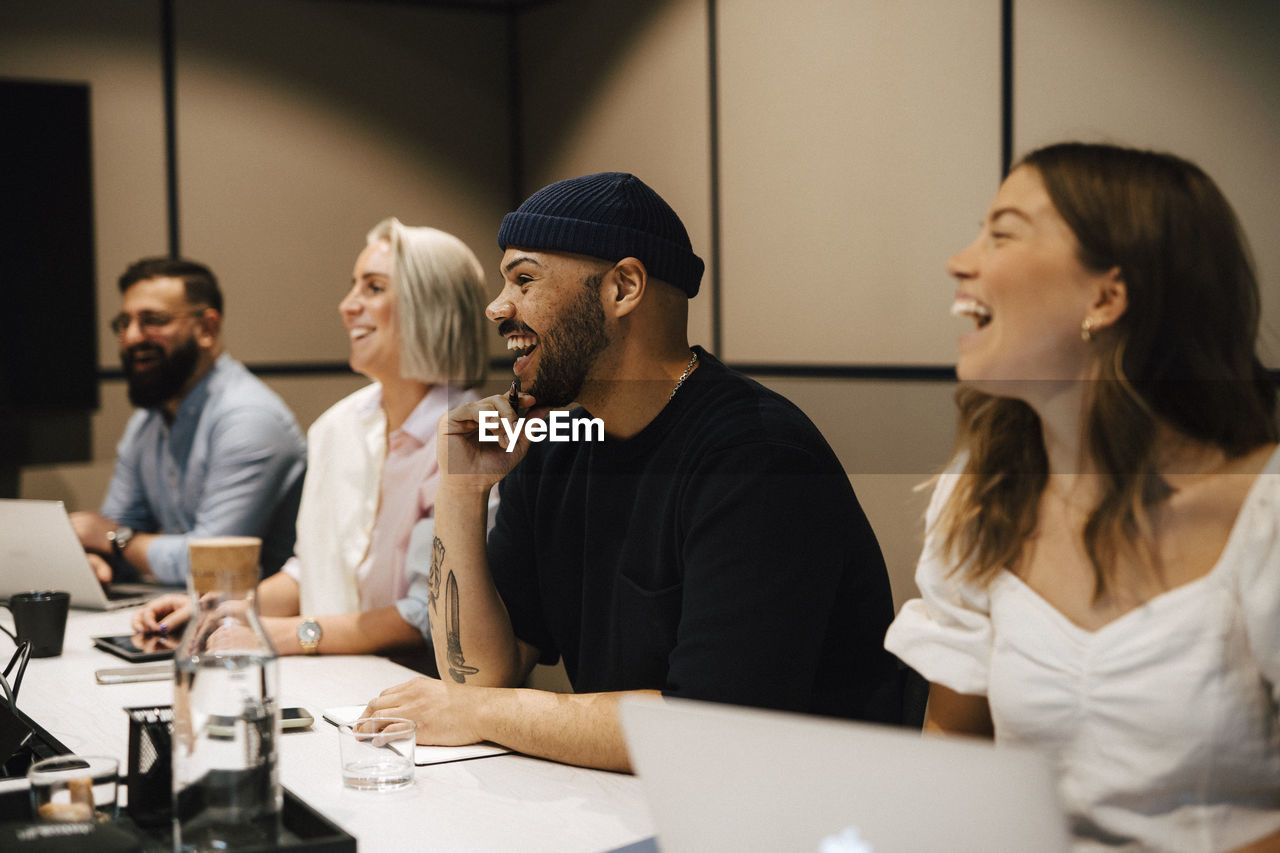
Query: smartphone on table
point(138, 648)
point(133, 674)
point(290, 719)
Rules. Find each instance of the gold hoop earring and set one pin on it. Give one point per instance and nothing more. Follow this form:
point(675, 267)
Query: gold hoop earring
point(1086, 330)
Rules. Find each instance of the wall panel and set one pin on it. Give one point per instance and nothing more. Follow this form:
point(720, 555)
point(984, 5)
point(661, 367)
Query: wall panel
point(616, 87)
point(1199, 79)
point(301, 124)
point(115, 49)
point(860, 145)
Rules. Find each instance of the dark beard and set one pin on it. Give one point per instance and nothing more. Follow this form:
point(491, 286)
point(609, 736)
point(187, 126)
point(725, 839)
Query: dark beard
point(151, 389)
point(570, 349)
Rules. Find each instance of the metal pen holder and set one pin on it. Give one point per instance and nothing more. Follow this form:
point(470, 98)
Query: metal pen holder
point(151, 764)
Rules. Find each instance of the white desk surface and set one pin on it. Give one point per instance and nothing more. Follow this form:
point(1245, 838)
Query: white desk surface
point(507, 802)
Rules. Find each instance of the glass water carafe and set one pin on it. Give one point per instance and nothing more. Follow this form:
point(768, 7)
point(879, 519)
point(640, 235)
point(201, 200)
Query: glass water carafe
point(226, 783)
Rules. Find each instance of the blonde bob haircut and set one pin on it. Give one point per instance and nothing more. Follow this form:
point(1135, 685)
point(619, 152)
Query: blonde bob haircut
point(439, 294)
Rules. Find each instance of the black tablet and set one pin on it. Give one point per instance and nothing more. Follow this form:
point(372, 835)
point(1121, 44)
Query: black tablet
point(136, 648)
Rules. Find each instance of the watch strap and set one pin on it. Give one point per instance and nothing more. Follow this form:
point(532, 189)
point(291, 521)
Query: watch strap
point(309, 634)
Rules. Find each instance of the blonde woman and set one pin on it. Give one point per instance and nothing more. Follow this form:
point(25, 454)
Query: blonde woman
point(415, 321)
point(1101, 577)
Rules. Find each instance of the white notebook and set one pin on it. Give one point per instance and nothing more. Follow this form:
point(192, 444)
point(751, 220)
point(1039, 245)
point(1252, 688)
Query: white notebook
point(422, 755)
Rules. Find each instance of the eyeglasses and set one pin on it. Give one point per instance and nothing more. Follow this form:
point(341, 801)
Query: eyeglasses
point(148, 321)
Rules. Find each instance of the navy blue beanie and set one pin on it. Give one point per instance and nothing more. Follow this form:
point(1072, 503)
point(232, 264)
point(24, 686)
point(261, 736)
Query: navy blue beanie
point(611, 216)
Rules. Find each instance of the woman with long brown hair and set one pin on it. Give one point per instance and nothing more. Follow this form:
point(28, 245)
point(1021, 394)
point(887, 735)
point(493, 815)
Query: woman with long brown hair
point(1101, 576)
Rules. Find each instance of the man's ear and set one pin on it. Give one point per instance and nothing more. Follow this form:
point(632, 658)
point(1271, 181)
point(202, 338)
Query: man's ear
point(627, 282)
point(208, 327)
point(1112, 300)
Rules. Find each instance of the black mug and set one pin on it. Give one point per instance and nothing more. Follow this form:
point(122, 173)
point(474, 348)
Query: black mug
point(41, 618)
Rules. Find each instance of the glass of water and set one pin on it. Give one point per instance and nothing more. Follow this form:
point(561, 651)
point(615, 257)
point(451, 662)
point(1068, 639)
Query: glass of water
point(377, 753)
point(74, 788)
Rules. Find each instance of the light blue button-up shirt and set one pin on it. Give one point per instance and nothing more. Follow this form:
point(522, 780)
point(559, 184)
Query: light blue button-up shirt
point(230, 464)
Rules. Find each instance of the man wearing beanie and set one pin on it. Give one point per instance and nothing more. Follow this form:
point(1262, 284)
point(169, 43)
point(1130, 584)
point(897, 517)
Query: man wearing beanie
point(709, 547)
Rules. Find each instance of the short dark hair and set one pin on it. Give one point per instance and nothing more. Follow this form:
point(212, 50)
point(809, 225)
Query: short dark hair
point(198, 280)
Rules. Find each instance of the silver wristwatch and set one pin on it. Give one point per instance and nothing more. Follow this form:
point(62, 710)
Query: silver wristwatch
point(309, 633)
point(119, 539)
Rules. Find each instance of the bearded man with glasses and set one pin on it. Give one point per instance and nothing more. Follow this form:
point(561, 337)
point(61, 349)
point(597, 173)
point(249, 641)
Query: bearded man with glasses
point(212, 451)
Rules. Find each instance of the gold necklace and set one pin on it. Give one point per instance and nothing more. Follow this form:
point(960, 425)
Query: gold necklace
point(693, 359)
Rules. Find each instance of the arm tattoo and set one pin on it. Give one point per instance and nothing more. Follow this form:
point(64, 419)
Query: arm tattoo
point(458, 669)
point(433, 576)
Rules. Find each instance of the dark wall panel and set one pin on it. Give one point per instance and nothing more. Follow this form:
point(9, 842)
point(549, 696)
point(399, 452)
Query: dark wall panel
point(48, 352)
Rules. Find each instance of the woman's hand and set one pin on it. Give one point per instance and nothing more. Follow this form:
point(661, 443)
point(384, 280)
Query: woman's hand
point(163, 615)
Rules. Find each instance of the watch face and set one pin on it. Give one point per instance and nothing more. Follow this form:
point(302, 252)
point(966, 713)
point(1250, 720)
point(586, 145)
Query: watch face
point(120, 537)
point(309, 632)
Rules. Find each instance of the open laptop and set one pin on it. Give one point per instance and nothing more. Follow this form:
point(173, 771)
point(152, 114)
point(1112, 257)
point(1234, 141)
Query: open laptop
point(720, 777)
point(40, 550)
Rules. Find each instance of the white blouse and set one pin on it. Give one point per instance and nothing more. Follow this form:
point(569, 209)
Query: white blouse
point(363, 494)
point(1163, 724)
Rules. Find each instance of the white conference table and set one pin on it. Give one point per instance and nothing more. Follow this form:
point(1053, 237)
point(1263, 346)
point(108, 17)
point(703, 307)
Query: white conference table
point(506, 802)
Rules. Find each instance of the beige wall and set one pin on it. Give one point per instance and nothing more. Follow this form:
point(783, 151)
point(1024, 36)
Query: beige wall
point(1199, 79)
point(623, 87)
point(859, 145)
point(299, 126)
point(860, 142)
point(302, 124)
